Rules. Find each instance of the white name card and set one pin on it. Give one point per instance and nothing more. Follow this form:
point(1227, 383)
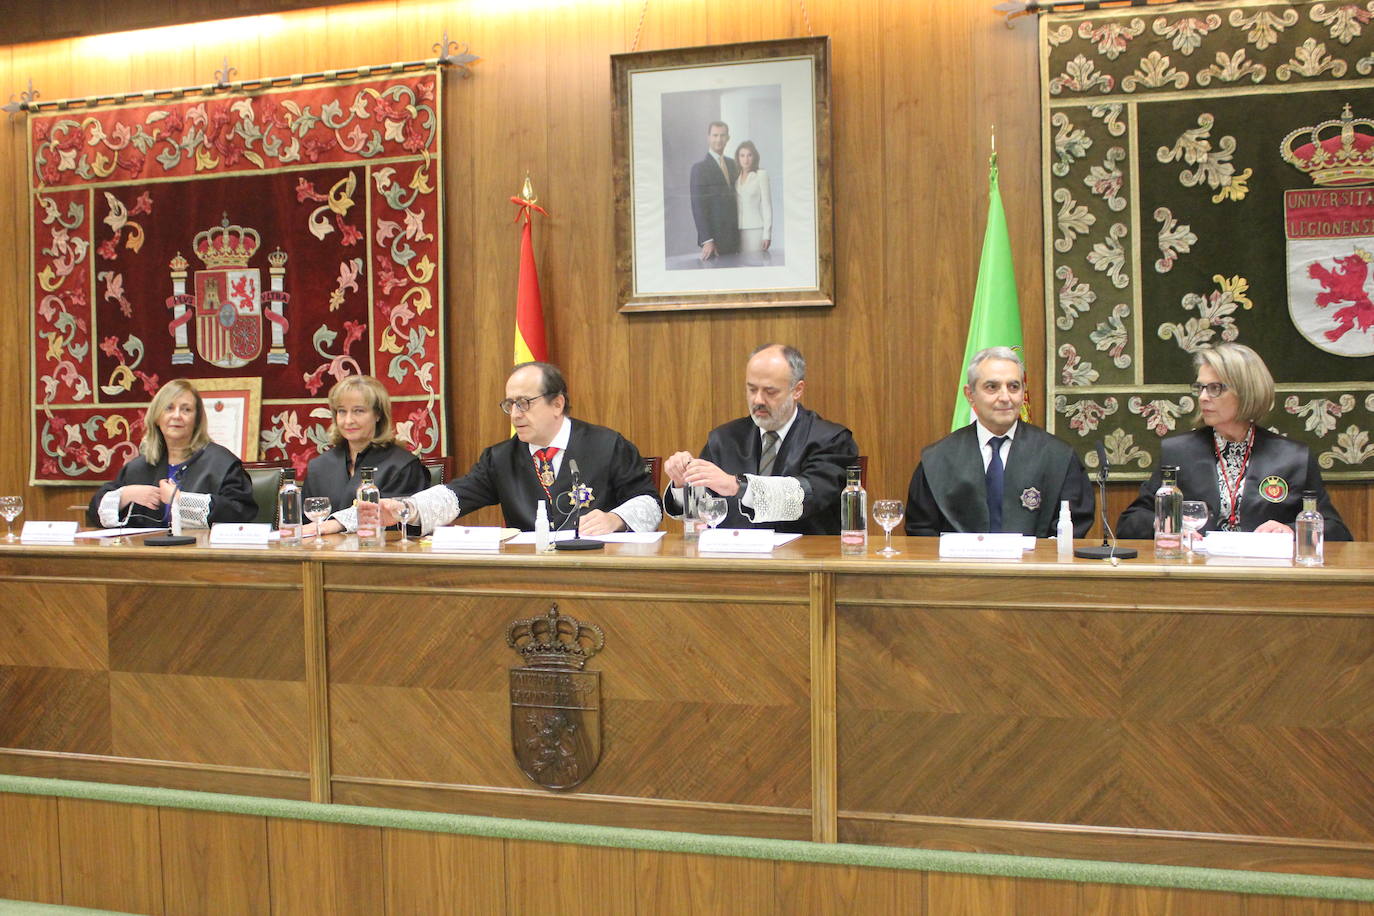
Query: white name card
point(227, 534)
point(1271, 545)
point(735, 540)
point(457, 537)
point(48, 532)
point(987, 546)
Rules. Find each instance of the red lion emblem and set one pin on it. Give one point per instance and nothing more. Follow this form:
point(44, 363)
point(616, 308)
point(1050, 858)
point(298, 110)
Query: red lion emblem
point(1345, 284)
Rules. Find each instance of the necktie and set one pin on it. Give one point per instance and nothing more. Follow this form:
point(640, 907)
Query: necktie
point(725, 169)
point(770, 453)
point(995, 475)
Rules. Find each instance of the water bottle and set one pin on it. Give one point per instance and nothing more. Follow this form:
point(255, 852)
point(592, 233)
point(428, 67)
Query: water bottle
point(369, 504)
point(541, 527)
point(1064, 531)
point(853, 515)
point(1308, 544)
point(691, 525)
point(289, 508)
point(1169, 515)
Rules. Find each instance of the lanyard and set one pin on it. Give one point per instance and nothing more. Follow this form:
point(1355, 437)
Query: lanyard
point(1234, 490)
point(543, 469)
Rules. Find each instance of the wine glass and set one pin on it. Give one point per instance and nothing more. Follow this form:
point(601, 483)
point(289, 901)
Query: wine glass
point(11, 507)
point(317, 509)
point(405, 511)
point(1194, 518)
point(888, 513)
point(711, 509)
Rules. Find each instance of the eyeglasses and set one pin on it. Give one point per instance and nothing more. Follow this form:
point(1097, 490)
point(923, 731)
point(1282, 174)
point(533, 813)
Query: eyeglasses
point(523, 404)
point(1213, 389)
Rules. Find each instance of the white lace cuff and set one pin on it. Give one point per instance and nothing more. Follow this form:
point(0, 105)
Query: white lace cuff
point(772, 499)
point(437, 507)
point(108, 510)
point(193, 509)
point(642, 513)
point(346, 517)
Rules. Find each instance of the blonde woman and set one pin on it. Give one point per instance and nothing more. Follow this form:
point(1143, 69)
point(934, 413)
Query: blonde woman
point(754, 200)
point(176, 458)
point(362, 437)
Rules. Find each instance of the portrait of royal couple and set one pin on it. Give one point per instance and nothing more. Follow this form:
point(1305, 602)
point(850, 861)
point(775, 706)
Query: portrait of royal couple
point(732, 202)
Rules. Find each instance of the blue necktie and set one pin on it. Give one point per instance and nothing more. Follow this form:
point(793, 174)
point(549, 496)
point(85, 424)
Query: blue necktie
point(996, 472)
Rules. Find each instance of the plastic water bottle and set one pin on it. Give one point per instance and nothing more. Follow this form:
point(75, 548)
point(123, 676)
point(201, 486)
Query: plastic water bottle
point(1064, 531)
point(1309, 531)
point(1169, 515)
point(370, 530)
point(289, 508)
point(853, 515)
point(541, 527)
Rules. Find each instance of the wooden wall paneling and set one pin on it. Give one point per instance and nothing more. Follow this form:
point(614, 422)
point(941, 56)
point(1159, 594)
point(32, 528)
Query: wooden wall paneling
point(14, 325)
point(325, 869)
point(673, 883)
point(830, 890)
point(214, 864)
point(572, 880)
point(1127, 900)
point(29, 858)
point(436, 874)
point(110, 856)
point(299, 46)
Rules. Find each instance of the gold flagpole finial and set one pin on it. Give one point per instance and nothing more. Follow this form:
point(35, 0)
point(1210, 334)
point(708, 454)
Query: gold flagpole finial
point(527, 190)
point(992, 158)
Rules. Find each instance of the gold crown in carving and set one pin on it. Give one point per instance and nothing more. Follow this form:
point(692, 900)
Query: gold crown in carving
point(277, 258)
point(226, 245)
point(1335, 152)
point(555, 640)
point(178, 262)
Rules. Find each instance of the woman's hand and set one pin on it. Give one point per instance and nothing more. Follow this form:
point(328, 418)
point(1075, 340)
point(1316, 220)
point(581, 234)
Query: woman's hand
point(1273, 527)
point(141, 493)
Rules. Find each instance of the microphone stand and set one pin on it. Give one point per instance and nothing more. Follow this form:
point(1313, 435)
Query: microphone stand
point(173, 540)
point(580, 498)
point(1108, 550)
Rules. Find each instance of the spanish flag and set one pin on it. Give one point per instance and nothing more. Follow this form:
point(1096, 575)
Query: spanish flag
point(530, 343)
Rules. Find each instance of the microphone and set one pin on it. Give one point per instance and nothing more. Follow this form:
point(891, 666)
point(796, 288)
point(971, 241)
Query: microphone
point(1108, 550)
point(581, 496)
point(176, 538)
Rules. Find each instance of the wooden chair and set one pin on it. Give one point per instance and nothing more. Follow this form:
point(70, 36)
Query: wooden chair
point(654, 467)
point(266, 478)
point(440, 468)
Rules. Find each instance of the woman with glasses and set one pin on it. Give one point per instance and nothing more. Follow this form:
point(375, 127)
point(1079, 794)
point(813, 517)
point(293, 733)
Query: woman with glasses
point(1250, 478)
point(362, 437)
point(176, 460)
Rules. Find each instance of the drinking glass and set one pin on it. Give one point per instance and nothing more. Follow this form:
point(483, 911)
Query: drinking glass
point(405, 511)
point(1194, 518)
point(317, 509)
point(888, 513)
point(711, 510)
point(11, 507)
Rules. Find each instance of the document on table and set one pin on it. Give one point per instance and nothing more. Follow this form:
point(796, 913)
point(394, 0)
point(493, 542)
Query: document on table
point(619, 537)
point(116, 532)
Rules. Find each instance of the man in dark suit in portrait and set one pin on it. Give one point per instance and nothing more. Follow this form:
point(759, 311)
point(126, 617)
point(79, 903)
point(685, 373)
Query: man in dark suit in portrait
point(781, 467)
point(713, 196)
point(997, 473)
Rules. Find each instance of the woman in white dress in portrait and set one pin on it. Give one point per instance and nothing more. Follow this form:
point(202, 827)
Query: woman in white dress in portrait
point(754, 199)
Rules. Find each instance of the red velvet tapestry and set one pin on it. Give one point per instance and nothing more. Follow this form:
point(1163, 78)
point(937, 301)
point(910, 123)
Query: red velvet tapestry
point(290, 234)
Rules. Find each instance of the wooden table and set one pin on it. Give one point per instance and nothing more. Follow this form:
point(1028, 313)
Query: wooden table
point(1193, 712)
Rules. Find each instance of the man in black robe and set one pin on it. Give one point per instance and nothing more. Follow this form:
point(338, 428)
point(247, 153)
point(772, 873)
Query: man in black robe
point(783, 466)
point(536, 464)
point(1034, 471)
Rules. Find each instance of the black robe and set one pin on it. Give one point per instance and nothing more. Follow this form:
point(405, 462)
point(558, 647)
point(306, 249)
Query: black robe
point(397, 473)
point(504, 475)
point(213, 470)
point(815, 451)
point(1194, 453)
point(948, 490)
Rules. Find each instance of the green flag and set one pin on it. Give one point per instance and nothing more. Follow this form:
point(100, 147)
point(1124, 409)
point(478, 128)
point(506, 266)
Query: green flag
point(996, 318)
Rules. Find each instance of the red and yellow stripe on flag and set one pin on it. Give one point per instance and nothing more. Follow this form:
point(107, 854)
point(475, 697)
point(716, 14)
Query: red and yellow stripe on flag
point(530, 341)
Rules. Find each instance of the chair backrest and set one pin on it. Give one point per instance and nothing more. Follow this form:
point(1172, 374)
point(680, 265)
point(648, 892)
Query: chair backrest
point(440, 469)
point(654, 467)
point(266, 478)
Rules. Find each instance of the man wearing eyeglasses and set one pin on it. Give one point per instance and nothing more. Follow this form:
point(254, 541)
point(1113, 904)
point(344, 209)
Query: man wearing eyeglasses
point(781, 467)
point(535, 464)
point(997, 473)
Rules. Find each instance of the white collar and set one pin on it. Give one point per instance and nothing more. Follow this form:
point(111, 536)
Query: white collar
point(560, 441)
point(786, 427)
point(985, 435)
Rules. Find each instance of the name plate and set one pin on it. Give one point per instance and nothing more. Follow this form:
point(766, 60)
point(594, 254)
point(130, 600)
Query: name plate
point(457, 537)
point(986, 546)
point(49, 532)
point(1271, 545)
point(246, 534)
point(735, 540)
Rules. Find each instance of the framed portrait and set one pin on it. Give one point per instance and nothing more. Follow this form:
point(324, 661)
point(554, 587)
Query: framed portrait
point(722, 176)
point(232, 406)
